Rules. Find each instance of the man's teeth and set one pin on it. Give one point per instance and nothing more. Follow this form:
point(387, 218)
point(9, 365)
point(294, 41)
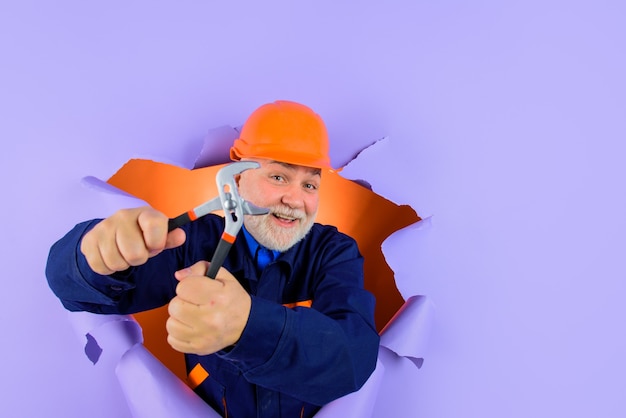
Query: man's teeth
point(286, 218)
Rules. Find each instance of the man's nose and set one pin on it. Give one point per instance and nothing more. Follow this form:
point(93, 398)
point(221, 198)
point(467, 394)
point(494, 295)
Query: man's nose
point(293, 196)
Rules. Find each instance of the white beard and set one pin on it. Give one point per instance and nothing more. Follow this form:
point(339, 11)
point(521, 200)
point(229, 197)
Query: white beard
point(274, 237)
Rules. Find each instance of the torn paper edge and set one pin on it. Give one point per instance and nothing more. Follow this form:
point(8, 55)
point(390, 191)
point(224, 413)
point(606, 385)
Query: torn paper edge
point(216, 146)
point(99, 185)
point(365, 153)
point(413, 316)
point(407, 333)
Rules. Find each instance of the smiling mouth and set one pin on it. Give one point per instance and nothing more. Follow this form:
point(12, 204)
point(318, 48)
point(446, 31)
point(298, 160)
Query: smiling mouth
point(283, 218)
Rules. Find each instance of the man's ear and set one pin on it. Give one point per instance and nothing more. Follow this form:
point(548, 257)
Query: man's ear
point(237, 177)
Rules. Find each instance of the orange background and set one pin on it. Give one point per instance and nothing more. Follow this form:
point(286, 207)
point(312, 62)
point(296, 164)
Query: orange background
point(352, 208)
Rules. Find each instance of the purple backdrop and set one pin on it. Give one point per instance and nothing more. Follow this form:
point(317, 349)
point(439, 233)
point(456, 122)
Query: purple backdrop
point(505, 123)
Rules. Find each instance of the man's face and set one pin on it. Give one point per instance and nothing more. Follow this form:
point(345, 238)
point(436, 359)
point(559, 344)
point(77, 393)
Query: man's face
point(291, 194)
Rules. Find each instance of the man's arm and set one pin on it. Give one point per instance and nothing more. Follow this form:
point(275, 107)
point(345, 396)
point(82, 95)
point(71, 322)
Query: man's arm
point(314, 354)
point(90, 267)
point(118, 265)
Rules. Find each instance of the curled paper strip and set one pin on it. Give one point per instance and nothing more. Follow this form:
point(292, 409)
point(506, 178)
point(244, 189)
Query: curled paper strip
point(216, 148)
point(405, 336)
point(407, 332)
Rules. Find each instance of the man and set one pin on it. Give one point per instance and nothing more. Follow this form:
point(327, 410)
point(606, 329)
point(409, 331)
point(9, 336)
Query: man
point(286, 325)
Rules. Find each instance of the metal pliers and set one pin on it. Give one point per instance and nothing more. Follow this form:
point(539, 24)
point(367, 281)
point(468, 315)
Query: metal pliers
point(231, 203)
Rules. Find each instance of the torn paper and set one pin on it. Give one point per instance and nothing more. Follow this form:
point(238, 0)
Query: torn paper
point(349, 205)
point(216, 148)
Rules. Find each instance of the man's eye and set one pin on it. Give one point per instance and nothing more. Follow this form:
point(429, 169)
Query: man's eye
point(310, 186)
point(277, 178)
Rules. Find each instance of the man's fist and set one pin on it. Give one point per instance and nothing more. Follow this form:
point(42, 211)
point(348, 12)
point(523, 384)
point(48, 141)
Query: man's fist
point(206, 315)
point(128, 238)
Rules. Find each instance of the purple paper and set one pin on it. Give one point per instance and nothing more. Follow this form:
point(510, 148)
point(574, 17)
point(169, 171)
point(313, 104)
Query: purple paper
point(505, 123)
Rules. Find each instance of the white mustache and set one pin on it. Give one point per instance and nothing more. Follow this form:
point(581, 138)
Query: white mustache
point(287, 212)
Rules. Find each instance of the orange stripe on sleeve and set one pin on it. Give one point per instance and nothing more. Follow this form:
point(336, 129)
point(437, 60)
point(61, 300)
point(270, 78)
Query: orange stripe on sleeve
point(196, 376)
point(304, 304)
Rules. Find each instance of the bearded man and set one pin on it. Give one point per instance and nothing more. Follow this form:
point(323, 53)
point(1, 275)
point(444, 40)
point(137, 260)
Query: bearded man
point(286, 326)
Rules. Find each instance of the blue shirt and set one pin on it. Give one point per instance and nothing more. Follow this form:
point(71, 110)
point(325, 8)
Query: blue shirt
point(310, 336)
point(261, 255)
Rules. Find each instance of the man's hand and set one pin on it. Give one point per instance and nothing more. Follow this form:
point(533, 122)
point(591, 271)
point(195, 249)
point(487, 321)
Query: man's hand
point(127, 238)
point(206, 315)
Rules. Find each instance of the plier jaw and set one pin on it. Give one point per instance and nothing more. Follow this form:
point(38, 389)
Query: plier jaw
point(231, 203)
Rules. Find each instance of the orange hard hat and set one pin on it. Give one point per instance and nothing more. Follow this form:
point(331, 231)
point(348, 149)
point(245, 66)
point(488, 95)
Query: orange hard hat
point(284, 131)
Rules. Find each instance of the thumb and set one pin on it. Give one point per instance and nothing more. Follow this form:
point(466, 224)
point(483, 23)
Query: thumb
point(198, 269)
point(175, 238)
